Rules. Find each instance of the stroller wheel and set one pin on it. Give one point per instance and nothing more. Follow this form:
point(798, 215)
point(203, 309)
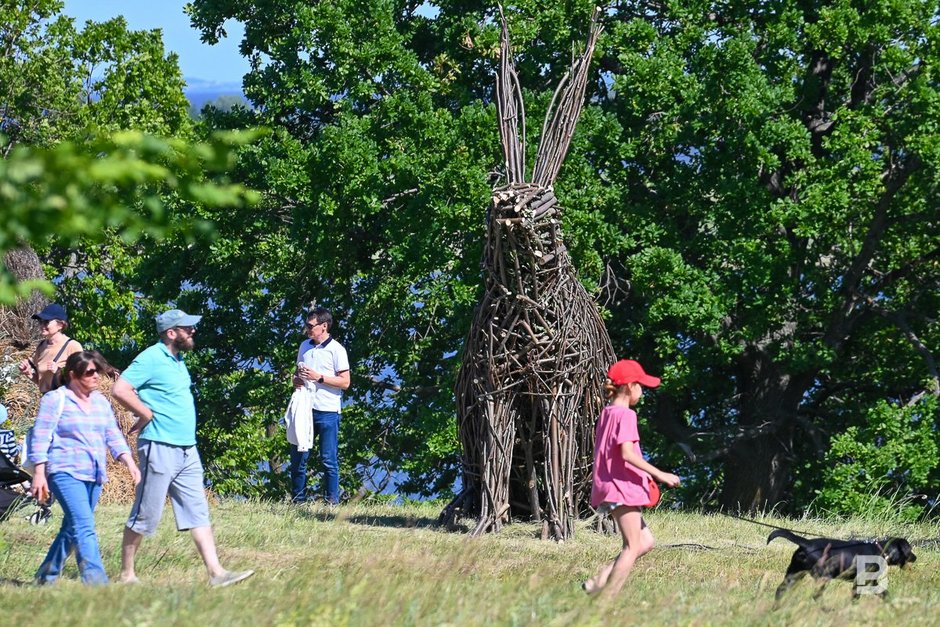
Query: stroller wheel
point(41, 516)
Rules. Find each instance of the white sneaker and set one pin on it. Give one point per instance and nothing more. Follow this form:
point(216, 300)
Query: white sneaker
point(230, 577)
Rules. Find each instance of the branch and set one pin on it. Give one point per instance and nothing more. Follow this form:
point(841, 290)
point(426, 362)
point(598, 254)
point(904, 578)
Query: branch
point(562, 118)
point(904, 77)
point(511, 109)
point(815, 90)
point(611, 289)
point(408, 192)
point(842, 320)
point(900, 321)
point(888, 278)
point(744, 435)
point(863, 85)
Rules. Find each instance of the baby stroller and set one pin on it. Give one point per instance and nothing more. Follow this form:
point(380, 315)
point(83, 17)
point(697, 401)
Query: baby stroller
point(15, 496)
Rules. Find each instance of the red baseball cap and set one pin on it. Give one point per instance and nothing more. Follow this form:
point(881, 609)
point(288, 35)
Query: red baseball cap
point(628, 371)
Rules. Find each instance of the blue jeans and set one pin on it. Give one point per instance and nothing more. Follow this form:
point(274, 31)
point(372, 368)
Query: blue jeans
point(326, 431)
point(78, 500)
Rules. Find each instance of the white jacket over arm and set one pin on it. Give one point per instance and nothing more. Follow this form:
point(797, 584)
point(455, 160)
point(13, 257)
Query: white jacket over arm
point(299, 419)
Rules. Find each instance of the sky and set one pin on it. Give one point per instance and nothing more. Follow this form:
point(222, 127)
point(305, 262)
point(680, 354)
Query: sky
point(199, 62)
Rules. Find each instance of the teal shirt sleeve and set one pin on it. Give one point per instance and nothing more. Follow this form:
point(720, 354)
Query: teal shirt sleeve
point(139, 372)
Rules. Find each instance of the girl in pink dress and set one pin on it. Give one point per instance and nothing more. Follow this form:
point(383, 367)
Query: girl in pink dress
point(621, 476)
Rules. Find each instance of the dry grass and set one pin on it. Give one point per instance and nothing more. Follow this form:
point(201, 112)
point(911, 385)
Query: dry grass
point(377, 565)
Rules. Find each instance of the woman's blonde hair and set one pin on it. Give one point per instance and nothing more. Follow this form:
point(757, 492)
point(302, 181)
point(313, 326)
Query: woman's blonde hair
point(611, 390)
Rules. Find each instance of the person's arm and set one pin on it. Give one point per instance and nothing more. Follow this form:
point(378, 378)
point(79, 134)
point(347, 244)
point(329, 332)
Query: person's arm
point(27, 369)
point(8, 445)
point(118, 445)
point(126, 394)
point(298, 378)
point(41, 439)
point(44, 428)
point(629, 455)
point(339, 380)
point(38, 486)
point(132, 468)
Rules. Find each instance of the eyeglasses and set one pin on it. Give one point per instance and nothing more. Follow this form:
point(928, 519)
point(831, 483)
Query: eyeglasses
point(311, 325)
point(43, 323)
point(189, 330)
point(89, 373)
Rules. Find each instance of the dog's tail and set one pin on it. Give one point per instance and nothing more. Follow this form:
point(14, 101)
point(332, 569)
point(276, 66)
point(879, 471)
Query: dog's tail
point(789, 535)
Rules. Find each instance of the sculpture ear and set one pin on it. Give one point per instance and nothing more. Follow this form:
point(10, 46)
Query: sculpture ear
point(563, 113)
point(511, 110)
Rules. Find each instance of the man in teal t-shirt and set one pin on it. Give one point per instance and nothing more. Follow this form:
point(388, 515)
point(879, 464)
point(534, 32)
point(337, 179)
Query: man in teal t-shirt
point(157, 388)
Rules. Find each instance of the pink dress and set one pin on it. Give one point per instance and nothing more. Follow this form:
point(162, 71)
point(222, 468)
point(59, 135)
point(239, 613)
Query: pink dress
point(616, 481)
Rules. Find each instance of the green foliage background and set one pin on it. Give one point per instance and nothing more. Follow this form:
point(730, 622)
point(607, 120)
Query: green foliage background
point(752, 191)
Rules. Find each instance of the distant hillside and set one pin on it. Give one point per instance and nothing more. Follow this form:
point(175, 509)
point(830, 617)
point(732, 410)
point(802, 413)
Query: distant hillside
point(201, 92)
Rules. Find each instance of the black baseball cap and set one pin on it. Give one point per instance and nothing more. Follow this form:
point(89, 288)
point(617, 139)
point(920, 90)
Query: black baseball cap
point(52, 312)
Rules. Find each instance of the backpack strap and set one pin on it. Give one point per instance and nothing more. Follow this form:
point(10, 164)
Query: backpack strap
point(60, 406)
point(62, 350)
point(57, 377)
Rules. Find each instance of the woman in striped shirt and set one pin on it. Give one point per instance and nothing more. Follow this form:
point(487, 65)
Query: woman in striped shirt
point(73, 432)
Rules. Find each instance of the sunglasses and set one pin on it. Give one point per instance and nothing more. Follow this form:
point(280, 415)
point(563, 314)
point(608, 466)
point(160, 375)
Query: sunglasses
point(89, 373)
point(187, 329)
point(310, 325)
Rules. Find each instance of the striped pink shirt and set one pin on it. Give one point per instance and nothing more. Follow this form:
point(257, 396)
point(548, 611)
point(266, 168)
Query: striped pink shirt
point(76, 442)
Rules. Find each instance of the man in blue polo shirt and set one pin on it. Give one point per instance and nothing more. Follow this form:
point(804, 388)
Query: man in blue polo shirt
point(156, 388)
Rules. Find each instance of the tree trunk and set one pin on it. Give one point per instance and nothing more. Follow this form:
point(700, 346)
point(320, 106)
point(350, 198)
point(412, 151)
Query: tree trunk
point(758, 463)
point(755, 473)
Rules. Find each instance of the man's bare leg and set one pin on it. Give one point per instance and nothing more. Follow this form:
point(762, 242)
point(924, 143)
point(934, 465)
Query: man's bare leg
point(129, 546)
point(205, 544)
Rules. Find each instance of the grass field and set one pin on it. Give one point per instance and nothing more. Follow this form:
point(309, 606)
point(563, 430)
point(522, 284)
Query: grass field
point(387, 564)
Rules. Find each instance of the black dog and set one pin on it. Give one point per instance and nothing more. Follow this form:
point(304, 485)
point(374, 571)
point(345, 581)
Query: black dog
point(826, 558)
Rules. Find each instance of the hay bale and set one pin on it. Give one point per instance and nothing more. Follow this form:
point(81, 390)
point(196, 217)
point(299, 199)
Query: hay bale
point(21, 398)
point(120, 487)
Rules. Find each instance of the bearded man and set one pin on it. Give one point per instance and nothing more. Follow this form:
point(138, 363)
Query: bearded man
point(156, 387)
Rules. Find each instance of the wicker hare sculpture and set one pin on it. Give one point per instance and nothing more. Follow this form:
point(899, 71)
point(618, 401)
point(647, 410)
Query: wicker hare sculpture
point(531, 382)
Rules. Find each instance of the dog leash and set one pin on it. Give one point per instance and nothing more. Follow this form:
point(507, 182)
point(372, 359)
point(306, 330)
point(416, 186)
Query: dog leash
point(923, 543)
point(763, 524)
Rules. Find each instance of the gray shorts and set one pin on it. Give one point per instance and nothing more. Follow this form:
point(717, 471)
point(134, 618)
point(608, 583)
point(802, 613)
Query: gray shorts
point(168, 470)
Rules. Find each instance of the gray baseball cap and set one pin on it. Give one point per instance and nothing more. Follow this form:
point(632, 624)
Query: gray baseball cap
point(176, 318)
